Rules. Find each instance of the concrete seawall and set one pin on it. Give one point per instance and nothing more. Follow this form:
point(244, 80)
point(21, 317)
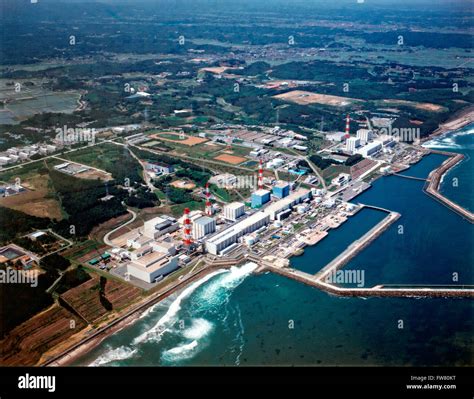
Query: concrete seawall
point(434, 180)
point(318, 280)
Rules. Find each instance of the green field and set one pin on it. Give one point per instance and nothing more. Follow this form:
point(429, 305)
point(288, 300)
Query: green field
point(112, 158)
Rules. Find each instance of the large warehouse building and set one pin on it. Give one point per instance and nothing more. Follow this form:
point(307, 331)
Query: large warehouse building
point(218, 243)
point(224, 239)
point(203, 226)
point(274, 210)
point(233, 211)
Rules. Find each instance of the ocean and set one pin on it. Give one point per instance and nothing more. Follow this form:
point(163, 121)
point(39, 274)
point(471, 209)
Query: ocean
point(233, 317)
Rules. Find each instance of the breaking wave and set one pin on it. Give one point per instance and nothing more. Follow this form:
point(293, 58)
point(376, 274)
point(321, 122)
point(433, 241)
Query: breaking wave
point(114, 355)
point(450, 140)
point(170, 316)
point(206, 306)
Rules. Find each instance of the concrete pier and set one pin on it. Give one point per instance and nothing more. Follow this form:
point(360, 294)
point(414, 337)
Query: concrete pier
point(319, 280)
point(357, 246)
point(434, 181)
point(408, 177)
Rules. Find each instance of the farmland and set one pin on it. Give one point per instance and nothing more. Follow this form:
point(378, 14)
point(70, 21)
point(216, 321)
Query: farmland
point(26, 343)
point(304, 98)
point(87, 302)
point(40, 198)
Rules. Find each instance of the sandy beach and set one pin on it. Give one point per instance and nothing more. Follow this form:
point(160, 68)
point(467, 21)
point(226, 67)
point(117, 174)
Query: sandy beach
point(460, 119)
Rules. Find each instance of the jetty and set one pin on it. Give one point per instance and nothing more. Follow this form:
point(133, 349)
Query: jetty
point(434, 180)
point(320, 279)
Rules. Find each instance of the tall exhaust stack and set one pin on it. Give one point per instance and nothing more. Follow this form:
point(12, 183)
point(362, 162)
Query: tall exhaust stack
point(208, 201)
point(348, 126)
point(187, 228)
point(260, 175)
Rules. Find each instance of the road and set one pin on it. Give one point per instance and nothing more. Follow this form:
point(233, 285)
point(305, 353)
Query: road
point(106, 237)
point(79, 163)
point(55, 155)
point(194, 159)
point(146, 176)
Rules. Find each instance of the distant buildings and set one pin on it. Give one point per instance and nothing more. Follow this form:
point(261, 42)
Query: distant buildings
point(159, 168)
point(71, 168)
point(342, 179)
point(225, 180)
point(275, 163)
point(136, 138)
point(15, 154)
point(336, 137)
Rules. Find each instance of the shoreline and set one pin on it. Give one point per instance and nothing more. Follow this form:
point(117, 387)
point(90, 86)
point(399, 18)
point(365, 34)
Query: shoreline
point(435, 179)
point(87, 344)
point(459, 120)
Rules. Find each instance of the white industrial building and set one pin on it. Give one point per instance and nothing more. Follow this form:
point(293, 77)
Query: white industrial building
point(224, 239)
point(275, 163)
point(160, 225)
point(227, 237)
point(351, 144)
point(365, 135)
point(225, 180)
point(166, 246)
point(233, 211)
point(336, 136)
point(341, 179)
point(151, 265)
point(370, 149)
point(203, 226)
point(275, 209)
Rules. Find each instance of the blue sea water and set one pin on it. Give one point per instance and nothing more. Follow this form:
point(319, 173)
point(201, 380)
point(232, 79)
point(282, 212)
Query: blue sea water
point(232, 317)
point(458, 182)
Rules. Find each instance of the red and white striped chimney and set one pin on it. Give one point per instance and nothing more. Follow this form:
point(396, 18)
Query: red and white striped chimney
point(348, 126)
point(187, 228)
point(208, 201)
point(260, 175)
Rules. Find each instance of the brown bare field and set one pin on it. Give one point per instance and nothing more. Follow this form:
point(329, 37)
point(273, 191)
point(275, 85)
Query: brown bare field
point(25, 344)
point(188, 140)
point(183, 184)
point(276, 84)
point(93, 174)
point(424, 106)
point(85, 299)
point(99, 231)
point(232, 159)
point(216, 70)
point(302, 97)
point(35, 201)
